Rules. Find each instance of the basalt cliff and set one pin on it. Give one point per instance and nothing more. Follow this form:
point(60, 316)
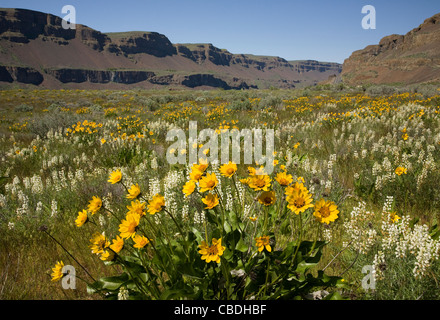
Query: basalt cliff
point(398, 59)
point(35, 50)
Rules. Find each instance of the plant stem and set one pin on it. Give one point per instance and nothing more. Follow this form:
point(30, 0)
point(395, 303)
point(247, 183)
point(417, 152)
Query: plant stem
point(238, 194)
point(300, 239)
point(53, 238)
point(180, 230)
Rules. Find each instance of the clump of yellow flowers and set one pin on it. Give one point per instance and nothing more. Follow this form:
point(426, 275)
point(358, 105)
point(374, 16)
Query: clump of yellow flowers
point(161, 256)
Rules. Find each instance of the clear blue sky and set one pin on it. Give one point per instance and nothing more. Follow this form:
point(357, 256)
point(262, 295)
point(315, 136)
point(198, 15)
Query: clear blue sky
point(322, 30)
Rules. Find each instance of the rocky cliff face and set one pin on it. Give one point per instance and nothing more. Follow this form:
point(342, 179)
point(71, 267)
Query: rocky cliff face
point(20, 74)
point(34, 47)
point(99, 76)
point(312, 65)
point(22, 26)
point(152, 43)
point(201, 53)
point(410, 58)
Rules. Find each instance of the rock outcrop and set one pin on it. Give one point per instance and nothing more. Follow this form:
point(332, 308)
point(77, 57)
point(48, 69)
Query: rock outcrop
point(200, 53)
point(31, 41)
point(312, 65)
point(20, 74)
point(22, 26)
point(99, 76)
point(152, 43)
point(405, 59)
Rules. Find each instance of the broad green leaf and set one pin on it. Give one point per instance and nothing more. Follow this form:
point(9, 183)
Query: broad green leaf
point(113, 283)
point(241, 246)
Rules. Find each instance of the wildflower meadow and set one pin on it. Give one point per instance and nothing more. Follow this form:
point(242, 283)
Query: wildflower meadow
point(92, 208)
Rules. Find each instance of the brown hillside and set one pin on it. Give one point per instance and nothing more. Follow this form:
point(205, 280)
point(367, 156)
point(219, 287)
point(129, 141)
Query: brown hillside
point(36, 43)
point(407, 59)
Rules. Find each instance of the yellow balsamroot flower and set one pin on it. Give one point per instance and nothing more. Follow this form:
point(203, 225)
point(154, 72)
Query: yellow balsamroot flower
point(394, 217)
point(203, 163)
point(208, 182)
point(211, 201)
point(133, 191)
point(189, 188)
point(81, 219)
point(260, 182)
point(202, 166)
point(196, 175)
point(128, 226)
point(252, 171)
point(228, 169)
point(253, 219)
point(107, 255)
point(213, 252)
point(405, 136)
point(136, 207)
point(115, 177)
point(98, 243)
point(299, 201)
point(260, 171)
point(267, 198)
point(400, 170)
point(284, 179)
point(57, 271)
point(140, 241)
point(245, 181)
point(94, 205)
point(117, 245)
point(297, 186)
point(326, 211)
point(156, 204)
point(262, 243)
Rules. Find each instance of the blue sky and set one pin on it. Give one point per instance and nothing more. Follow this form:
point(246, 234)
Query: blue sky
point(321, 30)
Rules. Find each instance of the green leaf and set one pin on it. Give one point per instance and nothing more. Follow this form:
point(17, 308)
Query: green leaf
point(434, 232)
point(227, 227)
point(228, 254)
point(285, 227)
point(144, 277)
point(241, 246)
point(113, 283)
point(197, 234)
point(94, 287)
point(211, 217)
point(133, 267)
point(234, 220)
